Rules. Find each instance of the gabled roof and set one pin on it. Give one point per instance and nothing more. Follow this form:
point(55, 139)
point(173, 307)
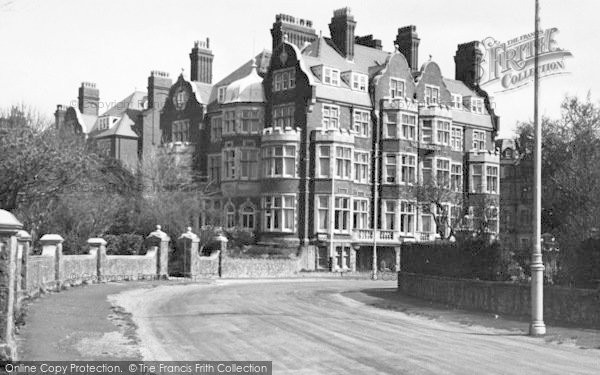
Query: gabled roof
point(458, 87)
point(135, 101)
point(122, 128)
point(262, 60)
point(323, 51)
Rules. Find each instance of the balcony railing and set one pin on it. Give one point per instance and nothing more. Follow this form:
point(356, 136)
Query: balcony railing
point(389, 236)
point(367, 234)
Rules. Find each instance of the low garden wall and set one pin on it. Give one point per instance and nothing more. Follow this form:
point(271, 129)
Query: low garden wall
point(258, 268)
point(561, 305)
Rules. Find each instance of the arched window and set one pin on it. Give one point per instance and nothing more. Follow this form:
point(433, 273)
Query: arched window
point(247, 216)
point(230, 215)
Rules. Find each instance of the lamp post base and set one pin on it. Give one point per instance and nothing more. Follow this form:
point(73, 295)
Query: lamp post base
point(537, 329)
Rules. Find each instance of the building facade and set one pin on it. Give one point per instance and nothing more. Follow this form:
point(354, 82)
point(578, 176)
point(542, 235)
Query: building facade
point(321, 143)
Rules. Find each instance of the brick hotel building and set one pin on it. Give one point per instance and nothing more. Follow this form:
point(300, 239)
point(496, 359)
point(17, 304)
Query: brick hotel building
point(311, 144)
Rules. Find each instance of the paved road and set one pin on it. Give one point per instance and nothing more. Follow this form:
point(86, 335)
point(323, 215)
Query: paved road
point(314, 328)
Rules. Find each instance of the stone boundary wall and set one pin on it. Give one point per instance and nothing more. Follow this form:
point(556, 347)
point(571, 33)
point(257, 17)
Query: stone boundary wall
point(561, 305)
point(245, 268)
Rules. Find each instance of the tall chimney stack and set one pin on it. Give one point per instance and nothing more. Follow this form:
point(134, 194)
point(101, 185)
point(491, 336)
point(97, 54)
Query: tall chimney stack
point(201, 59)
point(159, 85)
point(407, 42)
point(298, 30)
point(468, 63)
point(89, 98)
point(342, 31)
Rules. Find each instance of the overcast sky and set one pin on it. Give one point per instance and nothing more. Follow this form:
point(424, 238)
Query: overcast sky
point(48, 47)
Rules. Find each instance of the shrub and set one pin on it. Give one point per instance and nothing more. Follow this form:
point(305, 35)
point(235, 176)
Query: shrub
point(475, 258)
point(124, 244)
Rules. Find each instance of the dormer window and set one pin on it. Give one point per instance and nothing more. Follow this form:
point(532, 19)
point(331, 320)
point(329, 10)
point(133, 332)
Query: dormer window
point(396, 88)
point(359, 82)
point(457, 101)
point(477, 105)
point(221, 94)
point(432, 94)
point(331, 76)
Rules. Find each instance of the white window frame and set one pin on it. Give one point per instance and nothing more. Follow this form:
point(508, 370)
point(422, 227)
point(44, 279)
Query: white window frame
point(274, 217)
point(387, 157)
point(229, 167)
point(359, 82)
point(343, 162)
point(270, 157)
point(456, 138)
point(493, 188)
point(410, 127)
point(431, 129)
point(342, 215)
point(331, 76)
point(322, 156)
point(387, 214)
point(180, 131)
point(456, 174)
point(408, 211)
point(284, 79)
point(283, 115)
point(479, 140)
point(388, 121)
point(477, 105)
point(443, 165)
point(432, 94)
point(229, 215)
point(331, 116)
point(480, 187)
point(361, 167)
point(322, 208)
point(360, 213)
point(457, 101)
point(410, 166)
point(245, 215)
point(361, 119)
point(396, 93)
point(229, 122)
point(443, 132)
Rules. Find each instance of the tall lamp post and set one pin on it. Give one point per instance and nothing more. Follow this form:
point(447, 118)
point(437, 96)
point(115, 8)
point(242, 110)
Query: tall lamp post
point(537, 326)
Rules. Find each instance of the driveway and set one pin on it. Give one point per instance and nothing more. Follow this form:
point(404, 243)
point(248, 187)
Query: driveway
point(322, 327)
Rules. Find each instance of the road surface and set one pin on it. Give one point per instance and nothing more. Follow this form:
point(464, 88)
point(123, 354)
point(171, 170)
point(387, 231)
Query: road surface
point(313, 327)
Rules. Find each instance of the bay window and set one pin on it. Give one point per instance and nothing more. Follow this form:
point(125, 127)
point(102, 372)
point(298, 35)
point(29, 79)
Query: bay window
point(342, 214)
point(443, 172)
point(409, 167)
point(407, 217)
point(491, 173)
point(390, 169)
point(324, 161)
point(250, 121)
point(322, 212)
point(427, 131)
point(456, 177)
point(361, 167)
point(476, 178)
point(360, 213)
point(391, 124)
point(343, 162)
point(427, 171)
point(279, 161)
point(409, 124)
point(443, 133)
point(278, 213)
point(283, 115)
point(389, 215)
